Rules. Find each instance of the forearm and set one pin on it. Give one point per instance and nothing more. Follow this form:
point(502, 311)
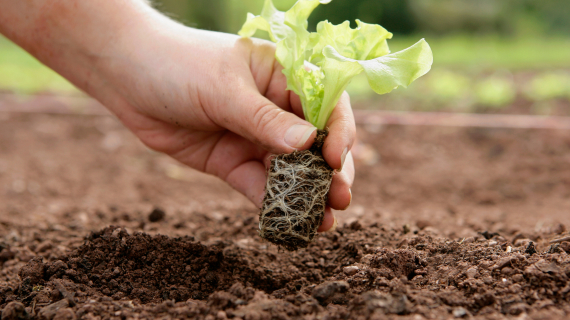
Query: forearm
point(76, 38)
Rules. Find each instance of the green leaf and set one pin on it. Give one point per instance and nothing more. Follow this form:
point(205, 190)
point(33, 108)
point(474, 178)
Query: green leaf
point(337, 76)
point(366, 42)
point(398, 69)
point(393, 70)
point(289, 27)
point(320, 65)
point(270, 20)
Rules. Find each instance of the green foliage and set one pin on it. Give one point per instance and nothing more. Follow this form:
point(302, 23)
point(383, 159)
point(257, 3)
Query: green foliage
point(505, 17)
point(447, 86)
point(549, 85)
point(319, 65)
point(495, 92)
point(489, 52)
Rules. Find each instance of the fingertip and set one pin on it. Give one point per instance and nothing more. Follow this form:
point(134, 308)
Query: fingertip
point(340, 194)
point(329, 221)
point(300, 136)
point(334, 226)
point(349, 199)
point(310, 140)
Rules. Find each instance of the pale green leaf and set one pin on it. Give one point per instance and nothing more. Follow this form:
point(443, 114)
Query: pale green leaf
point(398, 69)
point(270, 20)
point(320, 65)
point(337, 76)
point(367, 41)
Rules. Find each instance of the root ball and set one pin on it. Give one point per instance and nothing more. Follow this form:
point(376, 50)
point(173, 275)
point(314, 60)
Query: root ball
point(295, 197)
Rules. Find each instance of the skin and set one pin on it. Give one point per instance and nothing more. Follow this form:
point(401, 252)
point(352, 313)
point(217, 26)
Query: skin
point(213, 101)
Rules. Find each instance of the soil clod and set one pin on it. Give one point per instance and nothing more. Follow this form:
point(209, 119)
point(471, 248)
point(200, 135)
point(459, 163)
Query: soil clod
point(15, 311)
point(530, 249)
point(156, 215)
point(327, 291)
point(50, 312)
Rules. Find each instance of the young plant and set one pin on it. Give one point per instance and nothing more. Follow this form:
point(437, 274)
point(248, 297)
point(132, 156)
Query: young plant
point(318, 66)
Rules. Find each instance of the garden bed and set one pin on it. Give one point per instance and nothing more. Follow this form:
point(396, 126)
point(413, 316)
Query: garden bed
point(445, 222)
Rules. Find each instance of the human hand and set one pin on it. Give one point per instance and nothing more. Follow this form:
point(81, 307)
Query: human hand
point(213, 101)
point(218, 103)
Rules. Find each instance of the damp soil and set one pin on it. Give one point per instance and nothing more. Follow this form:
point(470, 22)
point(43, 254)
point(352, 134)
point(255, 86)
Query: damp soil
point(445, 223)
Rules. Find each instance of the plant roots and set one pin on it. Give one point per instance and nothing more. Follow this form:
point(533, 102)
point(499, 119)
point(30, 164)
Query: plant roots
point(295, 197)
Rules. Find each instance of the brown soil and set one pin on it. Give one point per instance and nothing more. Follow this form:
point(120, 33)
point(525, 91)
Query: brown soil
point(295, 196)
point(445, 223)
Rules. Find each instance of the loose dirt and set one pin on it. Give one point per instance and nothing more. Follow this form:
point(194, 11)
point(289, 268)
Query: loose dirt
point(445, 223)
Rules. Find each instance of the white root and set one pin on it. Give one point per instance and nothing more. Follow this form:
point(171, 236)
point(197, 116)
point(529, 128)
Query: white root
point(295, 200)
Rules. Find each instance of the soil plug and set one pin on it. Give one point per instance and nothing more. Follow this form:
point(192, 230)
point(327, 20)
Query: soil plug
point(318, 67)
point(296, 196)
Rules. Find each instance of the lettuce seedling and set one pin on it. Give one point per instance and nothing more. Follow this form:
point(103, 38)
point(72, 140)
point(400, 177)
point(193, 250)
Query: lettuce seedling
point(319, 66)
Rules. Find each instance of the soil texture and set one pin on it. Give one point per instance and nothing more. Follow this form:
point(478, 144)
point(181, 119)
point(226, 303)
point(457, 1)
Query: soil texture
point(445, 223)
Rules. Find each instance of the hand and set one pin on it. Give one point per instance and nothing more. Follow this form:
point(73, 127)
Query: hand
point(213, 101)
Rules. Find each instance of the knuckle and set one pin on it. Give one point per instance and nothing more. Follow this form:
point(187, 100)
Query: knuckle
point(265, 119)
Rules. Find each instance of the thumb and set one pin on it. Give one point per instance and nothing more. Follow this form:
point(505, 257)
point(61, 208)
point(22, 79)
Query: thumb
point(259, 120)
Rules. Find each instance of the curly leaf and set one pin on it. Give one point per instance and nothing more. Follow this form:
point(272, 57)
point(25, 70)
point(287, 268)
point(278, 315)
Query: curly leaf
point(319, 65)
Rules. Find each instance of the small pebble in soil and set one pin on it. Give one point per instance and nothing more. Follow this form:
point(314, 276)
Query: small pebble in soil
point(471, 272)
point(350, 270)
point(156, 215)
point(468, 240)
point(459, 312)
point(221, 315)
point(327, 289)
point(389, 303)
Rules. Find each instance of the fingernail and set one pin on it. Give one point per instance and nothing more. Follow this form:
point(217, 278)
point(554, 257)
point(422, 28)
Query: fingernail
point(342, 158)
point(298, 135)
point(349, 201)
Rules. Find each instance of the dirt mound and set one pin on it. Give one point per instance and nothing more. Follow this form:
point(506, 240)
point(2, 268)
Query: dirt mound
point(341, 275)
point(154, 268)
point(434, 213)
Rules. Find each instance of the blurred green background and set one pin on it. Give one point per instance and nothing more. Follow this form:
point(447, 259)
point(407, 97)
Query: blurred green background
point(489, 56)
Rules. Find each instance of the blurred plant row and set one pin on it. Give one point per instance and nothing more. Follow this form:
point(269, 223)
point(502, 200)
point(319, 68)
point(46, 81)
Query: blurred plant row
point(545, 92)
point(506, 17)
point(488, 54)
